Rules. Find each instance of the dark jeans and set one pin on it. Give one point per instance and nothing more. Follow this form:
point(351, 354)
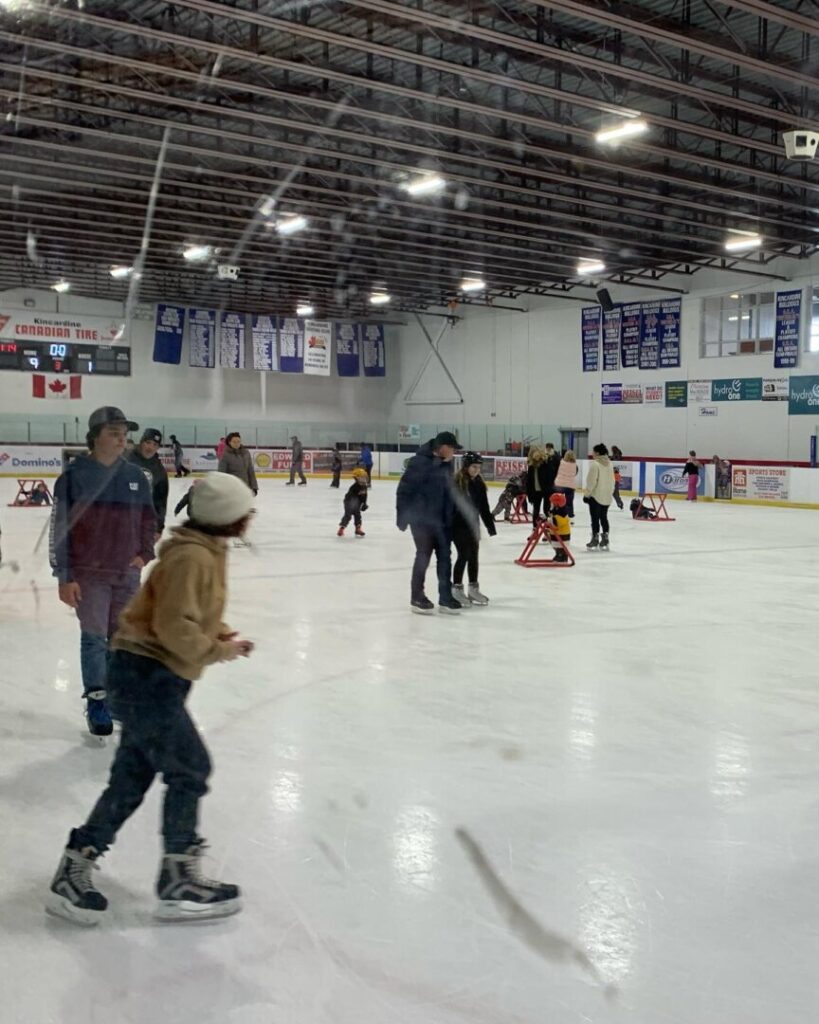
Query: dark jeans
point(428, 539)
point(104, 596)
point(352, 510)
point(336, 478)
point(536, 501)
point(599, 517)
point(181, 470)
point(467, 545)
point(569, 492)
point(297, 467)
point(618, 501)
point(158, 737)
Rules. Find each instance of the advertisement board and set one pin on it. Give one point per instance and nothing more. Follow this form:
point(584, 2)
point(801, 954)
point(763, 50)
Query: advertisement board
point(611, 394)
point(632, 394)
point(676, 394)
point(653, 394)
point(803, 398)
point(670, 480)
point(761, 483)
point(699, 391)
point(737, 389)
point(775, 389)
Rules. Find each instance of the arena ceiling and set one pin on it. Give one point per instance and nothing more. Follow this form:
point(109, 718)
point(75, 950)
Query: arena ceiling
point(241, 113)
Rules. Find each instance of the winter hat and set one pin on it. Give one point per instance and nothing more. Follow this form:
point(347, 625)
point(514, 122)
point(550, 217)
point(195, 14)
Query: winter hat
point(220, 500)
point(359, 473)
point(471, 459)
point(151, 434)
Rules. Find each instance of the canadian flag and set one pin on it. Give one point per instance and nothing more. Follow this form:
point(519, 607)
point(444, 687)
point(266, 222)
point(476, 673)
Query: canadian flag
point(56, 387)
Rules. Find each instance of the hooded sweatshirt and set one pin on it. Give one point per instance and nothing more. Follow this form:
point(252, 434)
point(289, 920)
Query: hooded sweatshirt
point(176, 618)
point(600, 480)
point(157, 477)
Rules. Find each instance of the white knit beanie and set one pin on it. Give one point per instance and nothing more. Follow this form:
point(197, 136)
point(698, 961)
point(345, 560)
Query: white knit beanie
point(220, 500)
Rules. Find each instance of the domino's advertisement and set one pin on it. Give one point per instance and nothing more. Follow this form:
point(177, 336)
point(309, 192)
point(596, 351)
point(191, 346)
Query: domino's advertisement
point(670, 480)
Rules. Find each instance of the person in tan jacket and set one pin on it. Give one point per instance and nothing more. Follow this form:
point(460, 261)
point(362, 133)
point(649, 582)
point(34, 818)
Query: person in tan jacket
point(599, 493)
point(168, 634)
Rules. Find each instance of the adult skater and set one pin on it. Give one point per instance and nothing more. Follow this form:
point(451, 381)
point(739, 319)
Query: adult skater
point(178, 453)
point(552, 464)
point(338, 465)
point(424, 503)
point(145, 457)
point(102, 533)
point(566, 480)
point(236, 461)
point(538, 485)
point(365, 457)
point(471, 506)
point(168, 635)
point(599, 494)
point(691, 469)
point(296, 463)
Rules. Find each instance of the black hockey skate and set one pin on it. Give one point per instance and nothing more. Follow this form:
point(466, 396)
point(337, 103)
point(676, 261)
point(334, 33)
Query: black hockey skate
point(186, 895)
point(72, 894)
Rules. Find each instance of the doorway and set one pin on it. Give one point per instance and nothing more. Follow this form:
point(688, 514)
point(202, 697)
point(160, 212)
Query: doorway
point(576, 438)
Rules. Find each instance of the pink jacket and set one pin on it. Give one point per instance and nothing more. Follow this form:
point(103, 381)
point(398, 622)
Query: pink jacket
point(220, 449)
point(566, 474)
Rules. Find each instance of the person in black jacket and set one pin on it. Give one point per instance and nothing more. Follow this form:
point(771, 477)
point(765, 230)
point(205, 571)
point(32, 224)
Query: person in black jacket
point(355, 502)
point(424, 502)
point(538, 485)
point(471, 504)
point(145, 457)
point(337, 467)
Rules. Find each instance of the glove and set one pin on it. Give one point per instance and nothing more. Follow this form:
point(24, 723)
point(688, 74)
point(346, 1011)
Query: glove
point(585, 499)
point(255, 492)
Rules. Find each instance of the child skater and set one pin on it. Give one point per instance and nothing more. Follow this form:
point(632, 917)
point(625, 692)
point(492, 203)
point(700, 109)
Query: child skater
point(566, 480)
point(355, 502)
point(559, 518)
point(471, 504)
point(515, 486)
point(168, 634)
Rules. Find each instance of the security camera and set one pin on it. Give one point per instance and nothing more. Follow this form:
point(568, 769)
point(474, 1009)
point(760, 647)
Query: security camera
point(800, 144)
point(227, 272)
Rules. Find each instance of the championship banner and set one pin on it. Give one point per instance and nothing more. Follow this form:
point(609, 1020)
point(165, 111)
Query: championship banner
point(202, 338)
point(170, 324)
point(630, 328)
point(28, 325)
point(56, 387)
point(263, 333)
point(291, 345)
point(372, 343)
point(650, 336)
point(318, 343)
point(347, 349)
point(590, 324)
point(232, 341)
point(611, 340)
point(670, 331)
point(788, 328)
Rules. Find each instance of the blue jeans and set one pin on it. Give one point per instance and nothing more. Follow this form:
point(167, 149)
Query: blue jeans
point(104, 596)
point(428, 539)
point(158, 737)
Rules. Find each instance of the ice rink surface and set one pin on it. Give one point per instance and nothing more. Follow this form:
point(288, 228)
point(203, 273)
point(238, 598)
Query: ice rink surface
point(436, 820)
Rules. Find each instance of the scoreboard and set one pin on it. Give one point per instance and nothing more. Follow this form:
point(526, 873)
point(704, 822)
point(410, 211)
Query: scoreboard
point(61, 357)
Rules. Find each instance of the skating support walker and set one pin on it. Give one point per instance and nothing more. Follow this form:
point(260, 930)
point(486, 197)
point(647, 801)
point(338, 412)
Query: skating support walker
point(520, 511)
point(25, 488)
point(545, 531)
point(655, 503)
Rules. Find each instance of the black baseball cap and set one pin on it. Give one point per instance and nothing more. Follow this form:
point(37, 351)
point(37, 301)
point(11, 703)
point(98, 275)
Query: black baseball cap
point(110, 415)
point(447, 437)
point(151, 434)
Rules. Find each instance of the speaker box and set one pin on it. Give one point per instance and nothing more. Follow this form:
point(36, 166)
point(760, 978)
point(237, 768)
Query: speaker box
point(604, 299)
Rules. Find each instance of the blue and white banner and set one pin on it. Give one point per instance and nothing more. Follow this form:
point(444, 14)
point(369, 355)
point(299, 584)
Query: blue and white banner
point(372, 342)
point(291, 345)
point(611, 340)
point(788, 328)
point(611, 394)
point(202, 337)
point(170, 324)
point(670, 321)
point(347, 347)
point(263, 334)
point(591, 319)
point(232, 341)
point(669, 479)
point(632, 318)
point(650, 336)
point(318, 338)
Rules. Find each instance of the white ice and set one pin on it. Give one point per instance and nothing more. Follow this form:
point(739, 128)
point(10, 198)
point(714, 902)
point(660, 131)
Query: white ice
point(632, 743)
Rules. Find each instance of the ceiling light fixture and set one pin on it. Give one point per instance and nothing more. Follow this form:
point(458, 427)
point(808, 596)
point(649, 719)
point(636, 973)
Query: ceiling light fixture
point(379, 298)
point(742, 241)
point(197, 253)
point(61, 286)
point(626, 130)
point(472, 284)
point(120, 273)
point(734, 295)
point(590, 267)
point(290, 224)
point(305, 309)
point(425, 185)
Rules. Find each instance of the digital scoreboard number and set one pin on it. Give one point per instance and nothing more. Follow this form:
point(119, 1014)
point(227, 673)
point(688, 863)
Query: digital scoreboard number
point(61, 357)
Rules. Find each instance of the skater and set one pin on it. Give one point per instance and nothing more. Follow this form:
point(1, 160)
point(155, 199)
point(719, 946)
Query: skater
point(692, 470)
point(236, 461)
point(538, 482)
point(145, 457)
point(220, 448)
point(296, 463)
point(365, 458)
point(355, 502)
point(599, 492)
point(471, 505)
point(185, 500)
point(566, 480)
point(552, 464)
point(618, 501)
point(424, 503)
point(559, 519)
point(178, 452)
point(168, 635)
point(515, 486)
point(639, 511)
point(38, 497)
point(103, 527)
point(337, 467)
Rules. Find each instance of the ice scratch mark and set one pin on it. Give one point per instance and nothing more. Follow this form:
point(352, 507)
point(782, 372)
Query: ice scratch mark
point(330, 854)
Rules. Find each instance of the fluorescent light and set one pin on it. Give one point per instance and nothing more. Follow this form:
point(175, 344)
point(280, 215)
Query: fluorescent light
point(733, 319)
point(740, 242)
point(426, 185)
point(379, 298)
point(591, 267)
point(290, 224)
point(735, 295)
point(120, 273)
point(305, 310)
point(621, 131)
point(61, 286)
point(472, 284)
point(197, 253)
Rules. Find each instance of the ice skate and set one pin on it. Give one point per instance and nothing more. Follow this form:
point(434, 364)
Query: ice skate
point(604, 542)
point(460, 596)
point(476, 597)
point(340, 531)
point(422, 606)
point(593, 543)
point(560, 556)
point(302, 483)
point(359, 532)
point(72, 894)
point(449, 606)
point(100, 723)
point(186, 895)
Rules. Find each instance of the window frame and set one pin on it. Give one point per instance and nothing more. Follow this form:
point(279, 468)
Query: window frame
point(757, 307)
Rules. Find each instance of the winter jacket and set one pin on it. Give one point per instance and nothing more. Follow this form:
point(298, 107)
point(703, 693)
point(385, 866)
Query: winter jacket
point(472, 504)
point(366, 457)
point(566, 475)
point(176, 617)
point(237, 462)
point(103, 518)
point(337, 463)
point(297, 452)
point(356, 497)
point(157, 477)
point(424, 496)
point(178, 452)
point(220, 448)
point(539, 480)
point(600, 480)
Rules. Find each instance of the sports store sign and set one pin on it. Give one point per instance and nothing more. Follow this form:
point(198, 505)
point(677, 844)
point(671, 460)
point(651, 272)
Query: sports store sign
point(24, 325)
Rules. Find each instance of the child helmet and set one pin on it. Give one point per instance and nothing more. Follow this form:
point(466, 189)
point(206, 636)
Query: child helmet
point(557, 500)
point(359, 473)
point(471, 459)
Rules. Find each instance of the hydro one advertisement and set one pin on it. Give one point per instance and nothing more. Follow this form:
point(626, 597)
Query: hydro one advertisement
point(670, 480)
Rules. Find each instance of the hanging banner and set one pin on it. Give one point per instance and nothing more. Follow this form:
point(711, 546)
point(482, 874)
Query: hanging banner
point(699, 391)
point(30, 325)
point(632, 394)
point(318, 340)
point(737, 389)
point(775, 389)
point(630, 326)
point(803, 399)
point(611, 394)
point(263, 335)
point(232, 341)
point(170, 323)
point(611, 340)
point(590, 322)
point(653, 394)
point(347, 347)
point(650, 336)
point(291, 345)
point(202, 338)
point(761, 483)
point(788, 328)
point(670, 327)
point(372, 343)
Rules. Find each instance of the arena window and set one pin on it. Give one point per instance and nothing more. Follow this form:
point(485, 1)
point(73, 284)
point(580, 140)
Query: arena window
point(738, 324)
